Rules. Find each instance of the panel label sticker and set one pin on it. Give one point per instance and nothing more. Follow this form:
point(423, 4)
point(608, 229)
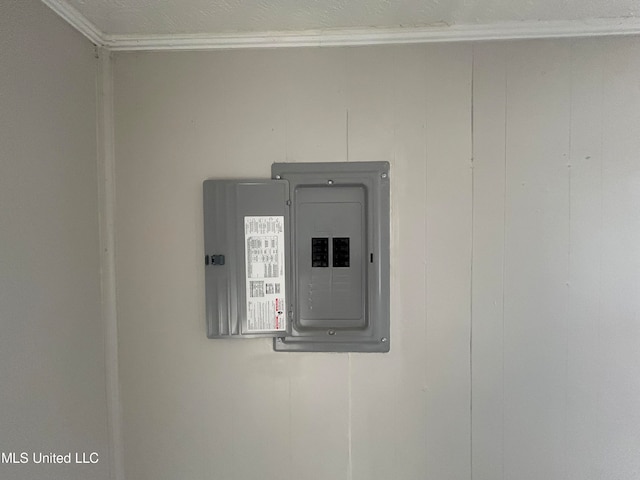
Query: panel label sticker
point(265, 274)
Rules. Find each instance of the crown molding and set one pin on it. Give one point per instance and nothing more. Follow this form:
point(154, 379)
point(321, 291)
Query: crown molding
point(78, 21)
point(376, 36)
point(347, 37)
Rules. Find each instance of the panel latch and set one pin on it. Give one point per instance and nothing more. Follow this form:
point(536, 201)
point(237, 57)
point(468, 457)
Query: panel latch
point(214, 259)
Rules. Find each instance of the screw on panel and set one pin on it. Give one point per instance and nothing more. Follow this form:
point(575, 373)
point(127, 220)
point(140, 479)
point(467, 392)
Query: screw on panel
point(278, 177)
point(384, 339)
point(330, 182)
point(384, 175)
point(331, 332)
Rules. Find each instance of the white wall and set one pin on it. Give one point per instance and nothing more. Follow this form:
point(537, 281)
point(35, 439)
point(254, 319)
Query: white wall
point(52, 372)
point(515, 262)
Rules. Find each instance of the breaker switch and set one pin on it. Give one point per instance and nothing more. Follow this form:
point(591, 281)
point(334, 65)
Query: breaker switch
point(341, 252)
point(319, 252)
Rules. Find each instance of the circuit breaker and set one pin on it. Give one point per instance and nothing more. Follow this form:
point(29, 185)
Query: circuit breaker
point(302, 257)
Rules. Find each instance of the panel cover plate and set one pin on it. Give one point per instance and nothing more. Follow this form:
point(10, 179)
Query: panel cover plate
point(339, 265)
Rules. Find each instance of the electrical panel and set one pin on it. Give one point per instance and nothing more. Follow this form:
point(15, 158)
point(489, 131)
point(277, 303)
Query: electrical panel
point(302, 258)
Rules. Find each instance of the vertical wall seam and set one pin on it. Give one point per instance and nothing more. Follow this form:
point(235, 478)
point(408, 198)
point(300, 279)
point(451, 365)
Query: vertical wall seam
point(393, 88)
point(290, 419)
point(349, 414)
point(347, 133)
point(471, 269)
point(426, 251)
point(106, 215)
point(425, 375)
point(504, 238)
point(569, 276)
point(599, 435)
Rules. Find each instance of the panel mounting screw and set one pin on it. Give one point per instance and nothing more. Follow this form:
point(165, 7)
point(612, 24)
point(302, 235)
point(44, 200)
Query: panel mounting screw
point(384, 339)
point(384, 175)
point(278, 177)
point(331, 332)
point(330, 182)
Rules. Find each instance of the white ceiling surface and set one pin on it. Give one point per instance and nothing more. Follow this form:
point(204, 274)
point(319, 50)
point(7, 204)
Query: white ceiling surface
point(214, 17)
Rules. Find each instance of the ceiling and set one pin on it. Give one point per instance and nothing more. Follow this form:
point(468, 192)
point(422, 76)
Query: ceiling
point(203, 24)
point(145, 17)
